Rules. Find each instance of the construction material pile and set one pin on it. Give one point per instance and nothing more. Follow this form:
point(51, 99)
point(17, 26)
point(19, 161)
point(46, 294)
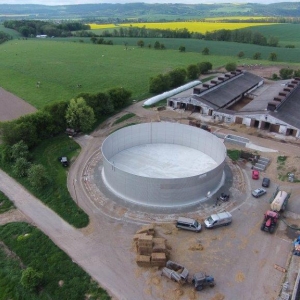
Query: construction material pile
point(151, 251)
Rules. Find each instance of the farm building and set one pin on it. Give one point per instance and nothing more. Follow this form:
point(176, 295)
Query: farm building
point(244, 98)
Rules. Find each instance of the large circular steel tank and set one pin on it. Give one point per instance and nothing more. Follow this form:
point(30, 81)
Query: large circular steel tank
point(163, 164)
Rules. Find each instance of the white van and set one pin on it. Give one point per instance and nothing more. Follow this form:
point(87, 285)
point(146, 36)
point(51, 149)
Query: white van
point(221, 219)
point(188, 224)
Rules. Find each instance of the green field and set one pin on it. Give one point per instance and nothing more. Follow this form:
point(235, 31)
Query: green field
point(61, 65)
point(288, 34)
point(11, 32)
point(32, 248)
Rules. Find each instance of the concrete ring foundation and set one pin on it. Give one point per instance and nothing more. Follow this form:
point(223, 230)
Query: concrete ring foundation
point(163, 164)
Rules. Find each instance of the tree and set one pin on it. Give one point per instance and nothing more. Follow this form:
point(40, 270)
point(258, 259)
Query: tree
point(100, 103)
point(157, 45)
point(204, 67)
point(14, 131)
point(297, 73)
point(273, 56)
point(273, 41)
point(275, 76)
point(205, 51)
point(230, 67)
point(181, 49)
point(159, 84)
point(141, 43)
point(119, 97)
point(94, 40)
point(192, 72)
point(79, 115)
point(162, 46)
point(257, 55)
point(57, 112)
point(20, 167)
point(38, 177)
point(24, 30)
point(19, 150)
point(241, 54)
point(31, 279)
point(177, 77)
point(286, 73)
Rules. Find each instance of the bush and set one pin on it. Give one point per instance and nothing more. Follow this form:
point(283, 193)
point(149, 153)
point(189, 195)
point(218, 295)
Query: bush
point(31, 279)
point(230, 67)
point(38, 177)
point(20, 167)
point(204, 67)
point(286, 73)
point(205, 51)
point(241, 54)
point(192, 72)
point(159, 84)
point(181, 49)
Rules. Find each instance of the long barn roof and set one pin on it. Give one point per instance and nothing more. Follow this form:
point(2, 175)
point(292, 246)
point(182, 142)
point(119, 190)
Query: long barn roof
point(223, 94)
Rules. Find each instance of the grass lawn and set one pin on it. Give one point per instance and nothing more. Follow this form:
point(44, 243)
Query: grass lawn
point(36, 250)
point(61, 65)
point(5, 203)
point(234, 154)
point(56, 194)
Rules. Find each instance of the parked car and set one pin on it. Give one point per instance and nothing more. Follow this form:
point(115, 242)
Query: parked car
point(258, 192)
point(266, 182)
point(64, 161)
point(255, 174)
point(188, 224)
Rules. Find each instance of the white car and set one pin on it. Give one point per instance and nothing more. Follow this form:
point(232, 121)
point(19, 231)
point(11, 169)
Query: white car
point(258, 192)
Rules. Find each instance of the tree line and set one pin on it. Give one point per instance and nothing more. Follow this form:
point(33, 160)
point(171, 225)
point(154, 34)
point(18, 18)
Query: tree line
point(177, 77)
point(81, 113)
point(31, 28)
point(239, 35)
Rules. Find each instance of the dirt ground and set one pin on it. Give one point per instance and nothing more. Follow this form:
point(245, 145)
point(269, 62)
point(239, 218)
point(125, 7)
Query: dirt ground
point(13, 107)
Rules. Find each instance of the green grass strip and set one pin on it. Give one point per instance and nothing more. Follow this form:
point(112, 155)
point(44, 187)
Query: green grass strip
point(56, 194)
point(36, 250)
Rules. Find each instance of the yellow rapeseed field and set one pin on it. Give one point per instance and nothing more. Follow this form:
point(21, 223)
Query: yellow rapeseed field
point(201, 27)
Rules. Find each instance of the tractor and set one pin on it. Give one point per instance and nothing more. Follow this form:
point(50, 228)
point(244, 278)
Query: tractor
point(270, 221)
point(179, 274)
point(201, 280)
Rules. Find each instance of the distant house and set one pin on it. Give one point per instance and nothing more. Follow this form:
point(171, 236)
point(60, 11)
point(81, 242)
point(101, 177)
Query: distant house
point(41, 36)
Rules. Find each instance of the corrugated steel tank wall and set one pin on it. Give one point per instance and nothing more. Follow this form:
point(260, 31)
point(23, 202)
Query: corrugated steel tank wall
point(163, 192)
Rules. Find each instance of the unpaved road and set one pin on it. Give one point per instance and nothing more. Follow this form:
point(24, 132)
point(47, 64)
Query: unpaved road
point(103, 251)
